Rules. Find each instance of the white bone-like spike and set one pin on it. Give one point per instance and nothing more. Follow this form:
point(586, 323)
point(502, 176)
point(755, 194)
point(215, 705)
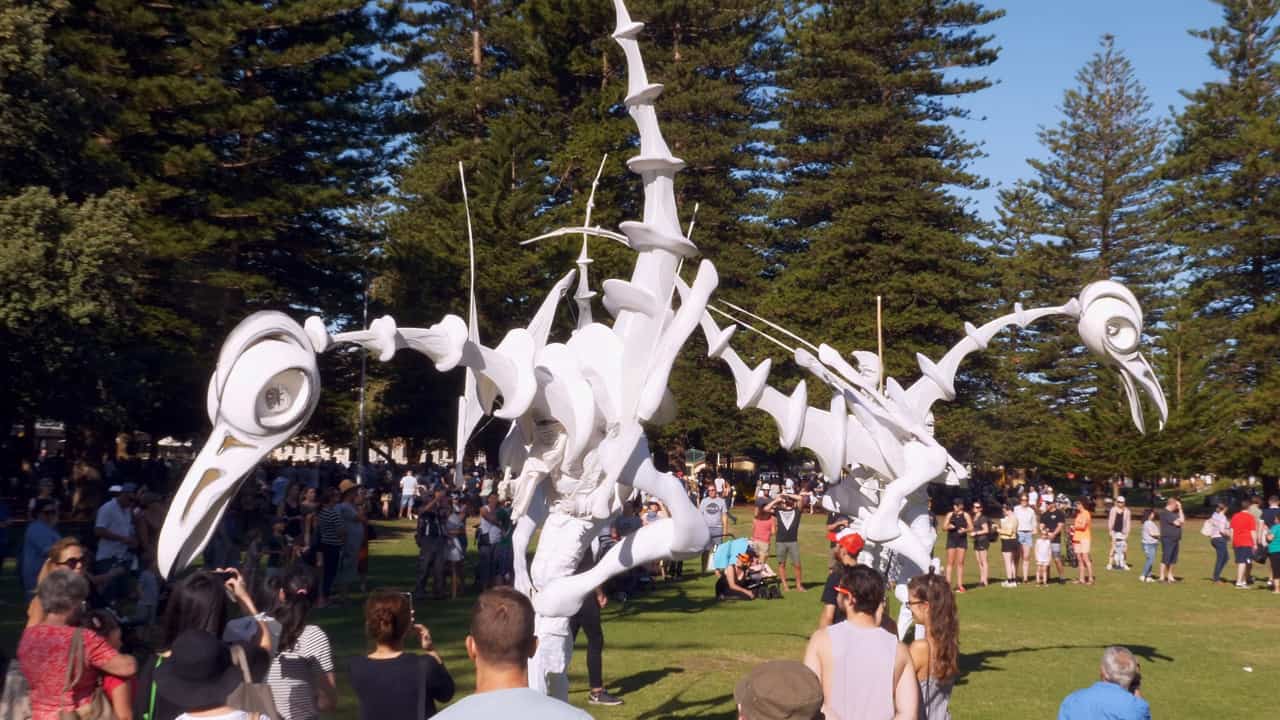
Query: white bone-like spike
point(1020, 315)
point(1072, 308)
point(931, 371)
point(751, 387)
point(716, 345)
point(971, 332)
point(796, 406)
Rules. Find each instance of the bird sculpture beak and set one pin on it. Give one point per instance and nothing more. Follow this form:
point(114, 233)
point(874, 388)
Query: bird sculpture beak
point(262, 392)
point(1111, 327)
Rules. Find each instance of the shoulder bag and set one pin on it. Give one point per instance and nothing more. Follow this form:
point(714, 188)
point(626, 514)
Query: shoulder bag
point(98, 707)
point(253, 698)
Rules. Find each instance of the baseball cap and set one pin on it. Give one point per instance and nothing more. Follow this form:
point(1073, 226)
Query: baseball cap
point(1120, 499)
point(115, 489)
point(779, 690)
point(851, 541)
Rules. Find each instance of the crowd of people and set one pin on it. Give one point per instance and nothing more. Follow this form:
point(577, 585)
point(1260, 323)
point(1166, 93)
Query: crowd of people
point(296, 538)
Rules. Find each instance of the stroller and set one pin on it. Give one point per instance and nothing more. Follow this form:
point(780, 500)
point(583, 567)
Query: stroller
point(764, 586)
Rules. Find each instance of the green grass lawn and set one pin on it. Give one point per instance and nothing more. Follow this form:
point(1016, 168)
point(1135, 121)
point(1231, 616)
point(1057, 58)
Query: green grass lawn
point(677, 653)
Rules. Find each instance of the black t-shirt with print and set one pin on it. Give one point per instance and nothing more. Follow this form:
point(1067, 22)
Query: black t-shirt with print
point(788, 524)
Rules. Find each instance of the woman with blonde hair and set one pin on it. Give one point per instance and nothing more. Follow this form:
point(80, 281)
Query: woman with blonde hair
point(69, 554)
point(935, 652)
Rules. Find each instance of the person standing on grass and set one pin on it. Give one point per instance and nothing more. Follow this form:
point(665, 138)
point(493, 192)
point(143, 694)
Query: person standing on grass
point(1009, 546)
point(199, 676)
point(408, 493)
point(786, 539)
point(936, 652)
point(301, 675)
point(1171, 521)
point(331, 536)
point(1254, 508)
point(1244, 536)
point(1218, 529)
point(959, 526)
point(1116, 696)
point(500, 644)
point(1119, 521)
point(762, 525)
point(389, 683)
point(982, 531)
point(845, 555)
point(1026, 516)
point(1082, 540)
point(1150, 542)
point(1271, 516)
point(1272, 536)
point(1055, 521)
point(866, 673)
point(716, 515)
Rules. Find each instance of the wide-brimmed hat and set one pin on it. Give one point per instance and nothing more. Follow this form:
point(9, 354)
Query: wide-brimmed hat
point(779, 690)
point(198, 673)
point(345, 486)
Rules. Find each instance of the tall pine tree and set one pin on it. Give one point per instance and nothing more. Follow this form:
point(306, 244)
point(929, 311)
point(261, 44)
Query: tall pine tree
point(1225, 210)
point(866, 167)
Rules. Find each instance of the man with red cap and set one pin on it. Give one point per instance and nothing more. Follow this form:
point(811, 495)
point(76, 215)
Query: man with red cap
point(847, 546)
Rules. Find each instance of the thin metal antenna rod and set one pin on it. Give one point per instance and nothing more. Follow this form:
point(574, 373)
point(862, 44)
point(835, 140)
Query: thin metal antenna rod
point(755, 330)
point(771, 324)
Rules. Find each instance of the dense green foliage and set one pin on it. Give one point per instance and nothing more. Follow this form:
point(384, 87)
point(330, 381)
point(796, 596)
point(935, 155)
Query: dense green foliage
point(167, 168)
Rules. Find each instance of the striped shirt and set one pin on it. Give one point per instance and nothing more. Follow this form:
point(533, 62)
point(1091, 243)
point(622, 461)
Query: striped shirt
point(329, 523)
point(294, 673)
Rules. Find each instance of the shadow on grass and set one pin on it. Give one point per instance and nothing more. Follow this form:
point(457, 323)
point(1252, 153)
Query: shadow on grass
point(675, 705)
point(664, 600)
point(978, 662)
point(643, 679)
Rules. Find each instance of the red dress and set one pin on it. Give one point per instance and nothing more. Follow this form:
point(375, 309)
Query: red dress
point(43, 653)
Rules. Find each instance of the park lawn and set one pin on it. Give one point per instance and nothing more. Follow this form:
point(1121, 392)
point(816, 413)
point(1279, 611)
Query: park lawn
point(677, 653)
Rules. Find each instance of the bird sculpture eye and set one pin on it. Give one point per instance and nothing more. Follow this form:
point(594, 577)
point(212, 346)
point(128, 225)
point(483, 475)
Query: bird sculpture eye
point(279, 394)
point(1122, 335)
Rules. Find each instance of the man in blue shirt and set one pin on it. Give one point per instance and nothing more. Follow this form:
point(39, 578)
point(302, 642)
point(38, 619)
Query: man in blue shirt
point(40, 536)
point(1115, 697)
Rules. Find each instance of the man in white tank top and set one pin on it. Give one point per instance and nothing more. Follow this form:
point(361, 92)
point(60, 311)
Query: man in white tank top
point(866, 673)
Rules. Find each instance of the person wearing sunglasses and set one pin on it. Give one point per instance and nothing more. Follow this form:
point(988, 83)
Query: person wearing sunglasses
point(69, 554)
point(41, 534)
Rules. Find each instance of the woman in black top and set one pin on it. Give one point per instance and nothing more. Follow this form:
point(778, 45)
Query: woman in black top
point(959, 526)
point(390, 683)
point(982, 527)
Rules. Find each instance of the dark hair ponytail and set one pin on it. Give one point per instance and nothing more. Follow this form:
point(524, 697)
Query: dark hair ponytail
point(298, 588)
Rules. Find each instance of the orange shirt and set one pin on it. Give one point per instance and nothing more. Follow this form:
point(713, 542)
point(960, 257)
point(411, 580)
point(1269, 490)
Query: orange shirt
point(1080, 528)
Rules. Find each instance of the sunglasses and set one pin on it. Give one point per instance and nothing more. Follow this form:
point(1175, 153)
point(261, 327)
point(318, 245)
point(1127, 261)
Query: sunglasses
point(844, 591)
point(72, 563)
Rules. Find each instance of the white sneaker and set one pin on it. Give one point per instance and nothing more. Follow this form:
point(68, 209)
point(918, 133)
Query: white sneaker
point(1242, 586)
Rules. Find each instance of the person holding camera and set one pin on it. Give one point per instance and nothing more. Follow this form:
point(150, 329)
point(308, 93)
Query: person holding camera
point(389, 683)
point(1116, 695)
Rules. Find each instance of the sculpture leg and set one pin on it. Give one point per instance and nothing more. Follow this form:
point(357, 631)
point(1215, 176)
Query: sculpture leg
point(682, 535)
point(923, 464)
point(548, 666)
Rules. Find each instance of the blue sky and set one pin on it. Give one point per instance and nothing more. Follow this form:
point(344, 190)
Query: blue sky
point(1044, 43)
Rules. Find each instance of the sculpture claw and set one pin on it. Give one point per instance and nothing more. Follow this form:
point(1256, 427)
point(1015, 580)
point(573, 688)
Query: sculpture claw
point(882, 526)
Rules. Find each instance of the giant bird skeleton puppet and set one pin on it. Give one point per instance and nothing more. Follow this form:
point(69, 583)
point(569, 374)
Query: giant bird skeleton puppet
point(576, 406)
point(576, 447)
point(877, 446)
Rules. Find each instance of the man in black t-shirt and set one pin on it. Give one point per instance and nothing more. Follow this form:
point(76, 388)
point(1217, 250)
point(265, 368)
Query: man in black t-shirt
point(1053, 521)
point(786, 514)
point(848, 544)
point(1171, 521)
